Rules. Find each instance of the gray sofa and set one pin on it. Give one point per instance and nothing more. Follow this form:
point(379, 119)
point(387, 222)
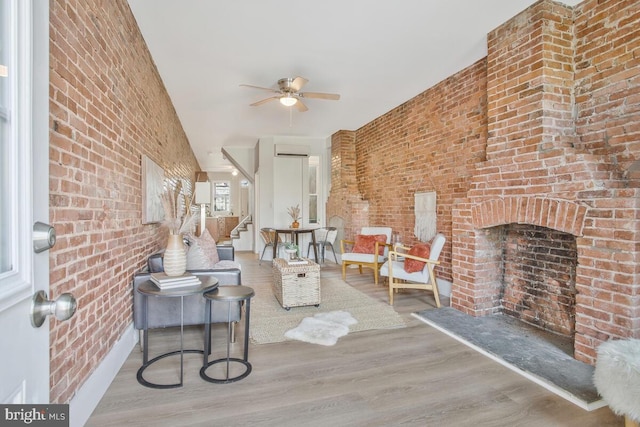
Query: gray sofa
point(165, 312)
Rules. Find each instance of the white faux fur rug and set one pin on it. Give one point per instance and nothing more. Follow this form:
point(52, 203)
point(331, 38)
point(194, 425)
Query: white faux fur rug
point(323, 328)
point(269, 321)
point(617, 376)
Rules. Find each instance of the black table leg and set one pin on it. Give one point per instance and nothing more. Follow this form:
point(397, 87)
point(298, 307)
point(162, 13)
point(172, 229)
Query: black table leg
point(275, 246)
point(315, 249)
point(145, 352)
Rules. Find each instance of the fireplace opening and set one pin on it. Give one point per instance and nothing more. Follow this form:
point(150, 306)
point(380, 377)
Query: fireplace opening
point(539, 277)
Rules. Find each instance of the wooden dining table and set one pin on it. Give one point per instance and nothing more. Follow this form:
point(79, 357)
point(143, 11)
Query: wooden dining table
point(295, 232)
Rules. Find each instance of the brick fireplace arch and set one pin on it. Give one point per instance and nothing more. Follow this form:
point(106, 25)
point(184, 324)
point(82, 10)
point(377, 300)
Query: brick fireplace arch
point(561, 215)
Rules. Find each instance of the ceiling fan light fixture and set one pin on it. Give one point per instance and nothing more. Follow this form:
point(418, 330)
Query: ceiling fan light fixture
point(288, 101)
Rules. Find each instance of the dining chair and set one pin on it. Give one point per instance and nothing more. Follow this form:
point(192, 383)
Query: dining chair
point(325, 237)
point(269, 237)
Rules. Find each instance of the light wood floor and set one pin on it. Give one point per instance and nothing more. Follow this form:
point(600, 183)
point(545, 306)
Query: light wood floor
point(414, 376)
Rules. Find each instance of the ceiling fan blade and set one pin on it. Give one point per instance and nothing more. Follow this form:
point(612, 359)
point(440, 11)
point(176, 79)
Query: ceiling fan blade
point(264, 101)
point(261, 88)
point(298, 83)
point(320, 95)
point(300, 106)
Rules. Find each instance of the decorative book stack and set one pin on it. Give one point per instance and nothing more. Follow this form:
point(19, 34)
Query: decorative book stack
point(297, 261)
point(171, 282)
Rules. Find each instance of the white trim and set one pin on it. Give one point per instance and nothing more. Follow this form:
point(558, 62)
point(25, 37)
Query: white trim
point(16, 284)
point(89, 395)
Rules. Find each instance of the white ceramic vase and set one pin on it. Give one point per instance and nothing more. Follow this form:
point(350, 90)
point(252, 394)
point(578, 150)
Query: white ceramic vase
point(175, 256)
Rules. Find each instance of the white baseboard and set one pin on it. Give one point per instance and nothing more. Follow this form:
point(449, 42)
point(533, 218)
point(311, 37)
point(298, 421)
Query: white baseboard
point(444, 287)
point(90, 393)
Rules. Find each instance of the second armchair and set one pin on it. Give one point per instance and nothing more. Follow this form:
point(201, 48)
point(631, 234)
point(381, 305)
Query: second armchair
point(369, 249)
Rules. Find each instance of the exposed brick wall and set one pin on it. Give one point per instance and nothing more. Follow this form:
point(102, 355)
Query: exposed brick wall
point(430, 143)
point(344, 199)
point(608, 124)
point(108, 106)
point(529, 82)
point(545, 130)
point(607, 61)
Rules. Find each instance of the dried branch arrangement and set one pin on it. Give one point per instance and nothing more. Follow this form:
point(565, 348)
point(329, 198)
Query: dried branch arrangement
point(178, 217)
point(294, 212)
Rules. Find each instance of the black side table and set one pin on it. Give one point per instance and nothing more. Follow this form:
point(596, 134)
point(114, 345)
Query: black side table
point(227, 294)
point(150, 289)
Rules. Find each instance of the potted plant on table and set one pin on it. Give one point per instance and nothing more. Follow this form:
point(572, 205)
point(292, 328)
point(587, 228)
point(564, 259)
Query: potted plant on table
point(292, 249)
point(294, 213)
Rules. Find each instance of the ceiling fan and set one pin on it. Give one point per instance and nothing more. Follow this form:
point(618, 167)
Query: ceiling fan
point(288, 93)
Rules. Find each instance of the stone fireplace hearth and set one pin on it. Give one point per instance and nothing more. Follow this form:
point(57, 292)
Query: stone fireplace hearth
point(542, 357)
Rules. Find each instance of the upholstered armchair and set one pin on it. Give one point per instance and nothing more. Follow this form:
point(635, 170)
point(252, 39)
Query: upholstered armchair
point(413, 268)
point(369, 249)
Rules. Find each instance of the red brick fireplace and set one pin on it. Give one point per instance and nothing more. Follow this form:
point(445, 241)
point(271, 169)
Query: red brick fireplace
point(553, 209)
point(534, 153)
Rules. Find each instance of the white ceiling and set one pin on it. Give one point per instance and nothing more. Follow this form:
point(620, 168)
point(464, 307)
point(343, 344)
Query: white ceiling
point(376, 55)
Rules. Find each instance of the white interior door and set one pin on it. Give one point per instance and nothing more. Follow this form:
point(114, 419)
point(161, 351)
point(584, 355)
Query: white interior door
point(287, 188)
point(24, 78)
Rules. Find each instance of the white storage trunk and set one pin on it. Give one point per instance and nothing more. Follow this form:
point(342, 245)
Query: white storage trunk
point(296, 285)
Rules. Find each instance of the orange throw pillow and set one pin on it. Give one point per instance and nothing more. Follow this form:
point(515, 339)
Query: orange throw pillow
point(366, 243)
point(423, 250)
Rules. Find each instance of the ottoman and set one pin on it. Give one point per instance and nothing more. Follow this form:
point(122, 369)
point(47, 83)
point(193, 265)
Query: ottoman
point(297, 284)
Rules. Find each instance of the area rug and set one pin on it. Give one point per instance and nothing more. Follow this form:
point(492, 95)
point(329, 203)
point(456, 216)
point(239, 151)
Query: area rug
point(323, 328)
point(269, 321)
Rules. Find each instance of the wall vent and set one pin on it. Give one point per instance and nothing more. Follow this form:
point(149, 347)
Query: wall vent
point(291, 150)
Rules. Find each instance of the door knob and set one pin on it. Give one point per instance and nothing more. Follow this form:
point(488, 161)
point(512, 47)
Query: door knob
point(63, 308)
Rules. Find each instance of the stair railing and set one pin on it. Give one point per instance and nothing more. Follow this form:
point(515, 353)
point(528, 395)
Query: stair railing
point(241, 226)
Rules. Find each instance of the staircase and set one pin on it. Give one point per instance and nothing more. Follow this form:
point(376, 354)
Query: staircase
point(242, 235)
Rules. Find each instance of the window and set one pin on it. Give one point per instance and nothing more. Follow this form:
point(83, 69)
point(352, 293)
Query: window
point(221, 197)
point(313, 189)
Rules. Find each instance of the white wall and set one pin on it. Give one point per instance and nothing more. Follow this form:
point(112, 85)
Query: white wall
point(281, 184)
point(243, 157)
point(289, 189)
